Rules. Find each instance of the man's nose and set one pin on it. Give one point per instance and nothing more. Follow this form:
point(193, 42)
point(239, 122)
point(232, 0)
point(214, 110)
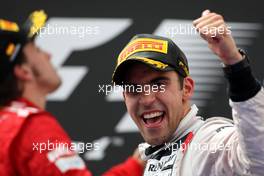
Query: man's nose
point(147, 99)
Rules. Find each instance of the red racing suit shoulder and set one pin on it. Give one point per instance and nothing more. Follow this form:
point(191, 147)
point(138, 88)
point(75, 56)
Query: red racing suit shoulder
point(39, 146)
point(35, 148)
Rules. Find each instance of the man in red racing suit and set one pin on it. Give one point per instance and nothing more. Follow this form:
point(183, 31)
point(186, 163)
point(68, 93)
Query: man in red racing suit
point(25, 133)
point(32, 141)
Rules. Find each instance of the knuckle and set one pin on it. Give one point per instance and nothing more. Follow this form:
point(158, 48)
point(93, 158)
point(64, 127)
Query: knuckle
point(219, 17)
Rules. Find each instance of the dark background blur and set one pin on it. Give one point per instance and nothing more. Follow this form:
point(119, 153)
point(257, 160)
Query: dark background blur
point(90, 116)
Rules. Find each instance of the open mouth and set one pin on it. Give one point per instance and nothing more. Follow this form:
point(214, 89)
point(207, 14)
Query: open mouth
point(153, 119)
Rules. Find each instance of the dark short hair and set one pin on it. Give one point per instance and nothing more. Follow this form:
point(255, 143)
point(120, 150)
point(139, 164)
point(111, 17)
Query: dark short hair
point(9, 88)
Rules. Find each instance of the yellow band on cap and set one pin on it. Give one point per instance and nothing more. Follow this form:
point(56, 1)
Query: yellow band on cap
point(8, 26)
point(157, 64)
point(143, 44)
point(184, 67)
point(10, 49)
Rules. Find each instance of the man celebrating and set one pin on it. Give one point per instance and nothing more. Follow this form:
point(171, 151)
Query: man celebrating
point(26, 78)
point(177, 141)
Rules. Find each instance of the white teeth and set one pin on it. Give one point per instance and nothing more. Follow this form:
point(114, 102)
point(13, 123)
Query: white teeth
point(152, 115)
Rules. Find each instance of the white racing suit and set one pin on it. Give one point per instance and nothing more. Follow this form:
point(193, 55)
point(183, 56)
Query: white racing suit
point(215, 147)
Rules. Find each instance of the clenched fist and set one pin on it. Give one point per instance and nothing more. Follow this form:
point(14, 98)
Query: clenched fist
point(212, 27)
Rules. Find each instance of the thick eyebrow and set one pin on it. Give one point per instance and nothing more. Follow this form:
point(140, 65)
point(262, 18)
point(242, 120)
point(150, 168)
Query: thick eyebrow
point(157, 79)
point(160, 78)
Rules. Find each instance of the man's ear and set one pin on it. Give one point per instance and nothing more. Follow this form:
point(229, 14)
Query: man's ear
point(23, 72)
point(188, 88)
